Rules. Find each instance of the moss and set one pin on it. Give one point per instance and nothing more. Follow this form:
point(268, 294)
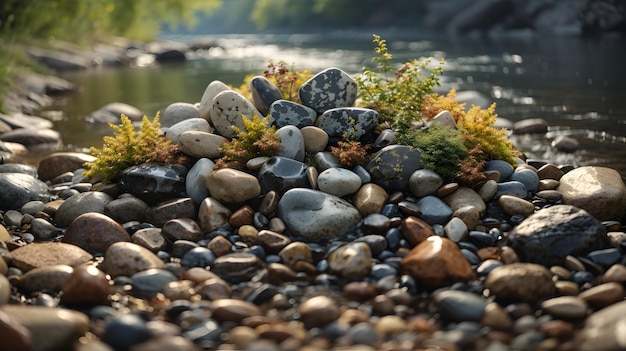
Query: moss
point(256, 139)
point(128, 148)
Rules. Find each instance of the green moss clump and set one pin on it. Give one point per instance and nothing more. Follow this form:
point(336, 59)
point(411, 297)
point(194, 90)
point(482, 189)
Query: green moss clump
point(442, 149)
point(397, 95)
point(129, 148)
point(256, 139)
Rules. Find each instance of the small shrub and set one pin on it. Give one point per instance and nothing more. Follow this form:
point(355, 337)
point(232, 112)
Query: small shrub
point(434, 103)
point(129, 148)
point(350, 153)
point(256, 139)
point(287, 81)
point(442, 149)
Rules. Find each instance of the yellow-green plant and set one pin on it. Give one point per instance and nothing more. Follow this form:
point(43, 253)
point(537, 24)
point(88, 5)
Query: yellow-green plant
point(397, 95)
point(256, 139)
point(128, 148)
point(435, 103)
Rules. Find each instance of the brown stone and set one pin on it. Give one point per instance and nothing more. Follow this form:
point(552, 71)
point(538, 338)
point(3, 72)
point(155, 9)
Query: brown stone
point(220, 246)
point(557, 329)
point(94, 232)
point(214, 289)
point(231, 186)
point(359, 290)
point(61, 162)
point(248, 234)
point(615, 273)
point(150, 238)
point(353, 260)
point(550, 171)
point(526, 282)
point(243, 216)
point(233, 310)
point(48, 278)
point(370, 198)
point(269, 203)
point(199, 275)
point(272, 242)
point(14, 336)
point(416, 230)
point(87, 285)
point(603, 295)
point(126, 259)
point(46, 254)
point(182, 229)
point(447, 189)
point(294, 252)
point(318, 311)
point(162, 212)
point(278, 273)
point(212, 214)
point(437, 262)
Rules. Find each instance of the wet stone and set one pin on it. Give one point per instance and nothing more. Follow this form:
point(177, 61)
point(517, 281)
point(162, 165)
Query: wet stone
point(126, 209)
point(330, 88)
point(166, 210)
point(286, 112)
point(526, 176)
point(220, 246)
point(526, 282)
point(370, 199)
point(434, 210)
point(512, 188)
point(154, 182)
point(125, 331)
point(272, 242)
point(566, 307)
point(264, 94)
point(87, 285)
point(549, 235)
point(94, 233)
point(49, 278)
point(18, 189)
point(79, 204)
point(460, 306)
point(359, 121)
point(424, 182)
point(212, 214)
point(195, 181)
point(353, 260)
point(504, 168)
point(392, 166)
point(550, 171)
point(233, 310)
point(312, 214)
point(228, 110)
point(338, 181)
point(231, 186)
point(152, 280)
point(182, 229)
point(126, 259)
point(198, 257)
point(281, 174)
point(416, 230)
point(295, 252)
point(237, 266)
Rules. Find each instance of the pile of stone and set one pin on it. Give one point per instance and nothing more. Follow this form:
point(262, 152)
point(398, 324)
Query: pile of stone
point(290, 256)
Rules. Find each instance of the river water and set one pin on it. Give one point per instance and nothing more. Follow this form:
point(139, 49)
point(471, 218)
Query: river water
point(577, 85)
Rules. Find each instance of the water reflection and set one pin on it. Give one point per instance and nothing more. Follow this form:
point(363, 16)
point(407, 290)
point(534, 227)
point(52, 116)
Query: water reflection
point(576, 85)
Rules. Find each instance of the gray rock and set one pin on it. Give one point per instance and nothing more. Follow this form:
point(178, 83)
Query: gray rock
point(191, 124)
point(211, 91)
point(549, 235)
point(434, 210)
point(392, 166)
point(286, 113)
point(22, 121)
point(19, 188)
point(565, 143)
point(603, 330)
point(264, 93)
point(504, 168)
point(30, 137)
point(110, 113)
point(531, 126)
point(228, 110)
point(513, 188)
point(338, 181)
point(19, 168)
point(460, 306)
point(330, 88)
point(42, 229)
point(195, 182)
point(201, 144)
point(526, 176)
point(424, 182)
point(177, 112)
point(281, 174)
point(126, 209)
point(312, 214)
point(292, 142)
point(70, 209)
point(325, 160)
point(353, 121)
point(152, 280)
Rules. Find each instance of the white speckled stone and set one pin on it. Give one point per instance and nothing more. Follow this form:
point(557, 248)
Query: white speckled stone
point(287, 112)
point(330, 88)
point(228, 110)
point(201, 144)
point(355, 121)
point(292, 142)
point(193, 124)
point(211, 91)
point(338, 181)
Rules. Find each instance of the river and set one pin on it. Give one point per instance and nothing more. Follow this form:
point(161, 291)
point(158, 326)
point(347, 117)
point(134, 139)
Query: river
point(577, 85)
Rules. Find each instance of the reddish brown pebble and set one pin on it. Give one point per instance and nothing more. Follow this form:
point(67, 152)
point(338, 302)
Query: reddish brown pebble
point(271, 241)
point(318, 311)
point(244, 215)
point(269, 203)
point(447, 189)
point(550, 171)
point(436, 262)
point(416, 230)
point(94, 232)
point(603, 295)
point(557, 329)
point(87, 285)
point(279, 273)
point(233, 310)
point(359, 290)
point(220, 246)
point(14, 336)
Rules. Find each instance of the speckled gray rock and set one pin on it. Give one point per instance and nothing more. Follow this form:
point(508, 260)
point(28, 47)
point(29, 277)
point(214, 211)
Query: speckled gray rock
point(126, 208)
point(19, 188)
point(192, 124)
point(553, 233)
point(264, 93)
point(177, 112)
point(195, 182)
point(338, 181)
point(312, 214)
point(228, 110)
point(330, 88)
point(292, 142)
point(424, 182)
point(355, 121)
point(201, 144)
point(434, 210)
point(392, 166)
point(206, 102)
point(287, 112)
point(125, 258)
point(70, 209)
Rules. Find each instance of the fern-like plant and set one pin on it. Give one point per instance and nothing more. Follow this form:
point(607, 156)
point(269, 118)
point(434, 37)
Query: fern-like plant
point(128, 148)
point(350, 153)
point(256, 139)
point(397, 95)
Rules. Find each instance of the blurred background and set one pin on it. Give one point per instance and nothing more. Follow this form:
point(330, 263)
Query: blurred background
point(562, 61)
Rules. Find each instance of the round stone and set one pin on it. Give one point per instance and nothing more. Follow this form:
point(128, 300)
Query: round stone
point(94, 232)
point(126, 209)
point(338, 181)
point(182, 229)
point(526, 282)
point(567, 307)
point(370, 199)
point(464, 196)
point(192, 124)
point(160, 213)
point(294, 253)
point(70, 209)
point(292, 143)
point(315, 139)
point(514, 205)
point(460, 306)
point(201, 144)
point(58, 163)
point(126, 259)
point(195, 181)
point(424, 182)
point(42, 229)
point(206, 102)
point(318, 311)
point(353, 260)
point(48, 278)
point(233, 310)
point(434, 210)
point(456, 230)
point(177, 112)
point(526, 176)
point(36, 255)
point(86, 285)
point(228, 110)
point(152, 280)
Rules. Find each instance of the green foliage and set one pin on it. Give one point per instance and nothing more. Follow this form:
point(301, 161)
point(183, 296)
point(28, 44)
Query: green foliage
point(256, 139)
point(435, 103)
point(397, 95)
point(129, 147)
point(442, 148)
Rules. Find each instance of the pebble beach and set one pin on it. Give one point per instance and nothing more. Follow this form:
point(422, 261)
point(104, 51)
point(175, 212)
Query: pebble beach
point(296, 252)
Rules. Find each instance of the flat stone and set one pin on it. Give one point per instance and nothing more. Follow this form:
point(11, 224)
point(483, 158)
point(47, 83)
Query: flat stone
point(126, 259)
point(566, 307)
point(231, 186)
point(603, 295)
point(150, 238)
point(60, 162)
point(162, 212)
point(598, 190)
point(330, 88)
point(338, 181)
point(182, 229)
point(531, 126)
point(565, 143)
point(237, 267)
point(434, 210)
point(178, 112)
point(289, 113)
point(48, 278)
point(514, 205)
point(233, 310)
point(356, 121)
point(152, 280)
point(94, 232)
point(312, 214)
point(526, 282)
point(513, 188)
point(201, 144)
point(353, 260)
point(549, 235)
point(504, 168)
point(464, 196)
point(437, 262)
point(33, 138)
point(37, 255)
point(228, 110)
point(460, 306)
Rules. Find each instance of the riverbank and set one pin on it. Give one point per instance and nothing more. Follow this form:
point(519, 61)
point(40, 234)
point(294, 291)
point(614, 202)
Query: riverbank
point(297, 252)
